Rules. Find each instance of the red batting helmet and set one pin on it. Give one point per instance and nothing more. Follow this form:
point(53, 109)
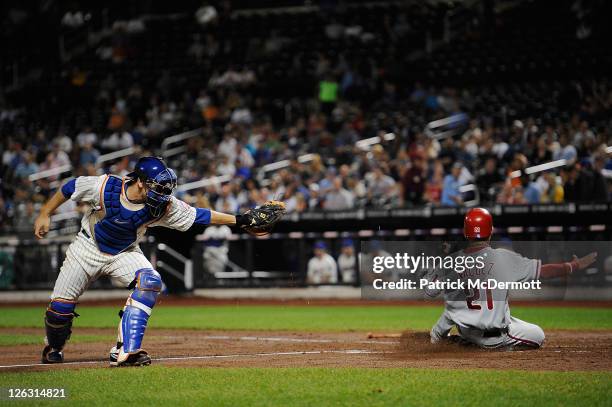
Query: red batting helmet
point(478, 224)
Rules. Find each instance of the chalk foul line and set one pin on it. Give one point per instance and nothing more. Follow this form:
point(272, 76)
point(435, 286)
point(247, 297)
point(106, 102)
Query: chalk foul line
point(205, 357)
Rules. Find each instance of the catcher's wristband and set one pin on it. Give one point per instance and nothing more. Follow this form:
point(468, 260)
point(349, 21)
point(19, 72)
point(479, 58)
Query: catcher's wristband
point(242, 220)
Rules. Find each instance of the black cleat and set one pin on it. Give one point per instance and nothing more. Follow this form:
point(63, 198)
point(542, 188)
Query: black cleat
point(51, 355)
point(137, 359)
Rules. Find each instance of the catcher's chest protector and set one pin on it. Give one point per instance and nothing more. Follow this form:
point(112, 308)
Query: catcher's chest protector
point(118, 229)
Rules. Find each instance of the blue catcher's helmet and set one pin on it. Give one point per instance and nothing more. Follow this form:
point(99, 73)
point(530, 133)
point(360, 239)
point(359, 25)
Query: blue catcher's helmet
point(160, 180)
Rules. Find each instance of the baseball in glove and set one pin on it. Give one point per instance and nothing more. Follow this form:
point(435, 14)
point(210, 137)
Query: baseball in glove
point(260, 221)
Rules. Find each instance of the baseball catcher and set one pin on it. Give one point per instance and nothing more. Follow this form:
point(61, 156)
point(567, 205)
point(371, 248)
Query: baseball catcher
point(119, 212)
point(479, 318)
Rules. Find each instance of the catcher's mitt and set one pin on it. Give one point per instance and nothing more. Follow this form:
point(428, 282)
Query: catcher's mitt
point(260, 221)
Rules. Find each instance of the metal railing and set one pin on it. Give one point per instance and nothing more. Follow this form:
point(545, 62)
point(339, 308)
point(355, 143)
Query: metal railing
point(446, 127)
point(221, 179)
point(52, 172)
point(367, 143)
point(115, 154)
point(168, 141)
point(187, 275)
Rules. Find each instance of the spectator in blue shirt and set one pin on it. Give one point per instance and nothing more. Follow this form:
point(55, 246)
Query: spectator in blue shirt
point(89, 155)
point(531, 191)
point(26, 167)
point(450, 189)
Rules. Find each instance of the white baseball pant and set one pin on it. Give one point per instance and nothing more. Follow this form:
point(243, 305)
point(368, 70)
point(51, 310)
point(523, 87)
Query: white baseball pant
point(519, 332)
point(84, 264)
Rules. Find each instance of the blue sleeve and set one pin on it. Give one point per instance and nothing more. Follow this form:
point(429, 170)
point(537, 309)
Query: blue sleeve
point(532, 195)
point(68, 188)
point(450, 186)
point(202, 216)
point(446, 182)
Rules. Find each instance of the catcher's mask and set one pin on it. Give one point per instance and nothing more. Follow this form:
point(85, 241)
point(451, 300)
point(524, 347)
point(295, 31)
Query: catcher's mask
point(160, 181)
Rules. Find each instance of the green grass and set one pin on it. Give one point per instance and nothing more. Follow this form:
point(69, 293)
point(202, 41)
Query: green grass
point(30, 339)
point(307, 386)
point(309, 318)
point(319, 386)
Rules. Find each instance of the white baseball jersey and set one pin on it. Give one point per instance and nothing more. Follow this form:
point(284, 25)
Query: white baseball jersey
point(348, 267)
point(484, 308)
point(84, 261)
point(322, 270)
point(216, 248)
point(217, 236)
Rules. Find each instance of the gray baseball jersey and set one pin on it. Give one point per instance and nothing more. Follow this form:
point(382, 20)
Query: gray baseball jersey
point(488, 308)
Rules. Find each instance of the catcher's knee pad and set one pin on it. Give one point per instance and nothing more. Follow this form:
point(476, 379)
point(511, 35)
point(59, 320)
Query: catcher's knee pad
point(135, 315)
point(58, 322)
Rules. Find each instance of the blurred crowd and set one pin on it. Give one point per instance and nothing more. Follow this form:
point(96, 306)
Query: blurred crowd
point(410, 169)
point(482, 159)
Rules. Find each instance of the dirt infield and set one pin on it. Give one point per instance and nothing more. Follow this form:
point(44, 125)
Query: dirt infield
point(563, 351)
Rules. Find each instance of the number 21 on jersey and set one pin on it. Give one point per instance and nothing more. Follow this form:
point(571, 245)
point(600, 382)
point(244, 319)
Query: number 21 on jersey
point(472, 295)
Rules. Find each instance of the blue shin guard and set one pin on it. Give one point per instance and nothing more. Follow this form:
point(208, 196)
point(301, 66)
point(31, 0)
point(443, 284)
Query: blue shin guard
point(148, 284)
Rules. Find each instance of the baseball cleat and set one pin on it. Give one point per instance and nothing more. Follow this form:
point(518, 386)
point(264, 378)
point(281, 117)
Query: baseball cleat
point(140, 358)
point(459, 340)
point(113, 354)
point(51, 355)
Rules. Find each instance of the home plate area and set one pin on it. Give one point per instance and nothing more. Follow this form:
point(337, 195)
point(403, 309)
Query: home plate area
point(563, 350)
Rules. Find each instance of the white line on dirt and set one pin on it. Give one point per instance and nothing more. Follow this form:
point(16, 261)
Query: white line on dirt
point(247, 355)
point(84, 362)
point(285, 339)
point(237, 355)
